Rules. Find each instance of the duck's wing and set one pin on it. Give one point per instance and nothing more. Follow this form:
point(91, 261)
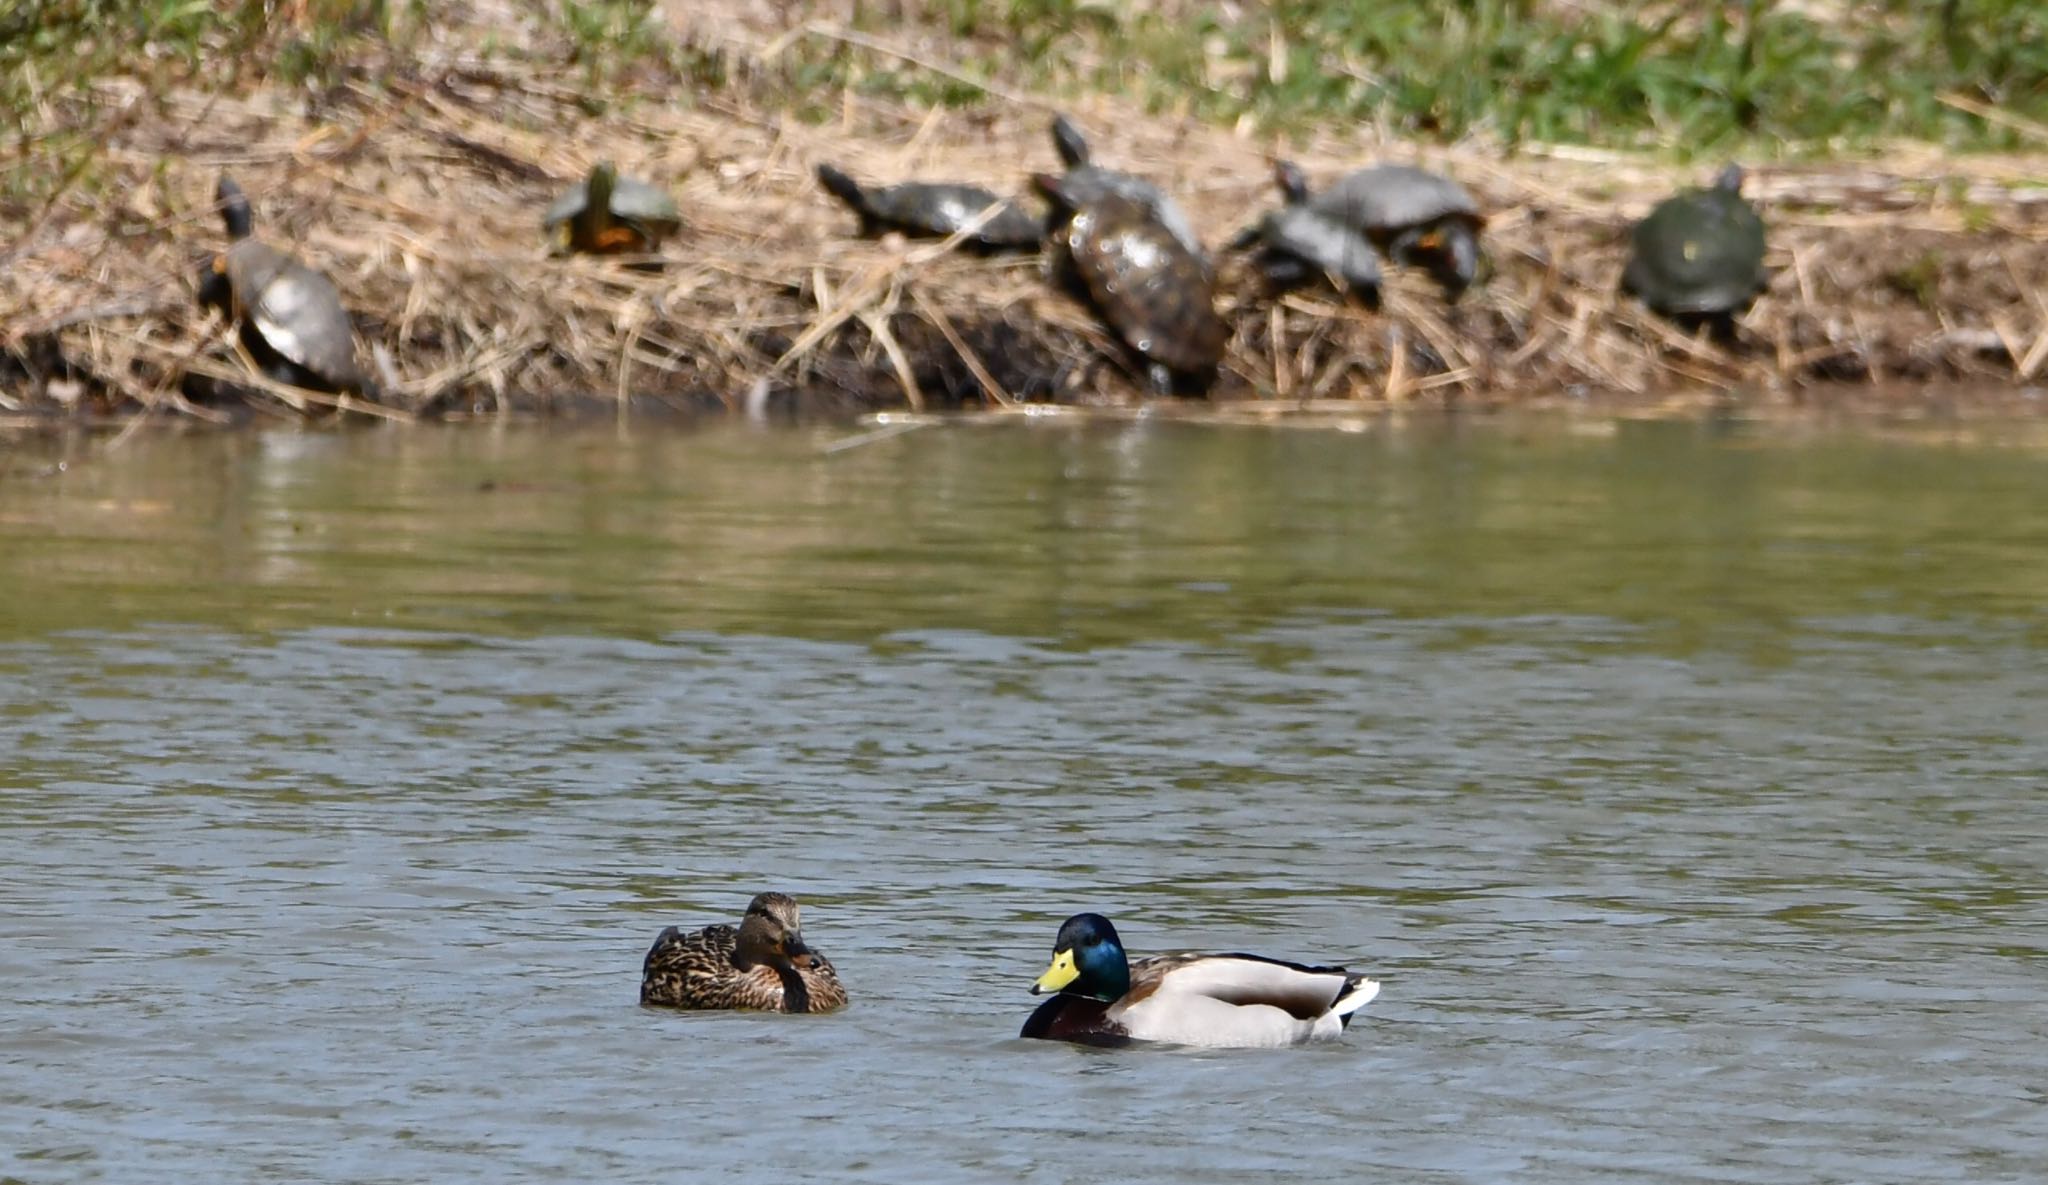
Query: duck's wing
point(681, 964)
point(1300, 990)
point(1238, 1001)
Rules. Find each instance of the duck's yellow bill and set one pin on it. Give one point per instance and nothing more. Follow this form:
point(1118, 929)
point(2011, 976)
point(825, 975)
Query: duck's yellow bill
point(1060, 974)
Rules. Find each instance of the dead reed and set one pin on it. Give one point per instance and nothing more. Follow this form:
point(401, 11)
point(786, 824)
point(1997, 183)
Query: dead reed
point(421, 196)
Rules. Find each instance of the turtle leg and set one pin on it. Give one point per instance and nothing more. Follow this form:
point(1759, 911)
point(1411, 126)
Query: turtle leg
point(1459, 260)
point(1449, 252)
point(1158, 379)
point(1281, 271)
point(1243, 239)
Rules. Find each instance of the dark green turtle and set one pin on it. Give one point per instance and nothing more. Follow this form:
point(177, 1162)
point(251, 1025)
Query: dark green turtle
point(1142, 281)
point(934, 210)
point(290, 316)
point(1086, 181)
point(1298, 245)
point(1698, 258)
point(606, 214)
point(1418, 218)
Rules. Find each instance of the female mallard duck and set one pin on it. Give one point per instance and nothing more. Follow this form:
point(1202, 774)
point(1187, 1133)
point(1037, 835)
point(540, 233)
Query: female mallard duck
point(764, 965)
point(1217, 1000)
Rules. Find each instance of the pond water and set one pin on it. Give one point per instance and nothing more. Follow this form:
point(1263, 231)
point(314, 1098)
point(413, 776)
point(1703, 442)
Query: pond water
point(1686, 786)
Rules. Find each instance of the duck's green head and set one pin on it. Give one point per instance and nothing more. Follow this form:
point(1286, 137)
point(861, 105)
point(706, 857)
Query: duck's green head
point(1087, 960)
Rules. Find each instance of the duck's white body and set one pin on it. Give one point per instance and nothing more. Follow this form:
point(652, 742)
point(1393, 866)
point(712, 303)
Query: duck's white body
point(1220, 1001)
point(1238, 1001)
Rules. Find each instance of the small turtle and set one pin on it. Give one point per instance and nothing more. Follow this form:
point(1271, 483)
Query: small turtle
point(1297, 245)
point(935, 210)
point(1087, 181)
point(1142, 281)
point(291, 317)
point(1418, 218)
point(606, 214)
point(1699, 257)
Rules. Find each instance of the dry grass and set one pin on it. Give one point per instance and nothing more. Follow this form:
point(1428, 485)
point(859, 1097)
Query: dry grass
point(422, 199)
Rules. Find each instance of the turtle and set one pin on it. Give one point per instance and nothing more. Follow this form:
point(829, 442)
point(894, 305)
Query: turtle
point(1154, 293)
point(1698, 257)
point(606, 214)
point(291, 317)
point(1087, 181)
point(1297, 245)
point(1416, 217)
point(935, 209)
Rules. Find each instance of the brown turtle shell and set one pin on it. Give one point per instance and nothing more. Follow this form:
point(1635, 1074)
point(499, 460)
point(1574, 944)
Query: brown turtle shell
point(1147, 286)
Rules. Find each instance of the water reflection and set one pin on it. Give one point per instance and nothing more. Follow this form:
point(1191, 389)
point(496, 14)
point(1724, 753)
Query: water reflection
point(1683, 789)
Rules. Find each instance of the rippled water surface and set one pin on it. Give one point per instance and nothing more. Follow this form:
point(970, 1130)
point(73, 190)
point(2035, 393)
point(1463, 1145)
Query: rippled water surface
point(1688, 789)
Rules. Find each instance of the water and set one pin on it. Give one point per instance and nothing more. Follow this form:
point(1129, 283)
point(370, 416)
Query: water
point(1684, 786)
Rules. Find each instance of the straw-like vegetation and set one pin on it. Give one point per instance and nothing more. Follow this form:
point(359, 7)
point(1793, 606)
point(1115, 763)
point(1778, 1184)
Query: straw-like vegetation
point(416, 180)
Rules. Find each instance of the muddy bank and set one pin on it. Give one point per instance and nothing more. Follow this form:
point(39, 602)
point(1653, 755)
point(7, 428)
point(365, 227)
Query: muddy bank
point(420, 193)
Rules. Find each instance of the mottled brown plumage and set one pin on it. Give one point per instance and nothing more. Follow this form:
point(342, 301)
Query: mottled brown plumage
point(763, 965)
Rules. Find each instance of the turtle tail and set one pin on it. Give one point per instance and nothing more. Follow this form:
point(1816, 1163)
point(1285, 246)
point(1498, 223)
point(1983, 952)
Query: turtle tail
point(847, 190)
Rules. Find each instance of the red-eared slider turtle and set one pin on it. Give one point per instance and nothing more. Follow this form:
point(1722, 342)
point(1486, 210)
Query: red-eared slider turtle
point(1418, 218)
point(1699, 257)
point(1297, 245)
point(606, 214)
point(1142, 281)
point(1086, 181)
point(292, 320)
point(931, 209)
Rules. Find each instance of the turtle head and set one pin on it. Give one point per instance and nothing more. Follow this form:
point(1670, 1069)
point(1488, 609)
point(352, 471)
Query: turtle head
point(1068, 140)
point(1292, 181)
point(1730, 178)
point(597, 190)
point(1054, 189)
point(234, 208)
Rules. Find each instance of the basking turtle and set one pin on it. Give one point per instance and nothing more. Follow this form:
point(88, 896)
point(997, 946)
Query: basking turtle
point(1142, 281)
point(1297, 245)
point(606, 214)
point(1087, 181)
point(291, 317)
point(1418, 218)
point(1699, 257)
point(929, 209)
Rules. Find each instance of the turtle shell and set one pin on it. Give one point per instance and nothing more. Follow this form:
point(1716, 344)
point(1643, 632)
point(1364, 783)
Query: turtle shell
point(1383, 199)
point(1146, 285)
point(294, 310)
point(1089, 184)
point(1086, 182)
point(933, 209)
point(646, 213)
point(1297, 246)
point(1699, 253)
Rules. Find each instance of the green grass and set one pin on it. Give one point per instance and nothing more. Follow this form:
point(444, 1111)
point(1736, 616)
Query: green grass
point(1678, 76)
point(54, 53)
point(1693, 78)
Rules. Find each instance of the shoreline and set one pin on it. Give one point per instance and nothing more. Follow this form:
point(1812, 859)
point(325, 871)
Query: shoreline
point(1920, 280)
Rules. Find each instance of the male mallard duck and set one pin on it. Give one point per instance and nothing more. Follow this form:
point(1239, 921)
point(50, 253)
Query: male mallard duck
point(764, 965)
point(1215, 1000)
